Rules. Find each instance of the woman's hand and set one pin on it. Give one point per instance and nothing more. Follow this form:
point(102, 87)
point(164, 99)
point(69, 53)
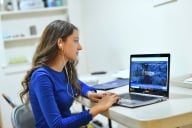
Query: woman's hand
point(93, 96)
point(104, 103)
point(108, 100)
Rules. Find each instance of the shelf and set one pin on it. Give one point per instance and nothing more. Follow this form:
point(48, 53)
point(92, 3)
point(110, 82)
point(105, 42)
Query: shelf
point(16, 68)
point(22, 38)
point(31, 11)
point(17, 39)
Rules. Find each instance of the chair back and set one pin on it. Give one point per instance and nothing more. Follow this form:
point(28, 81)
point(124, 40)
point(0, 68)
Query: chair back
point(22, 117)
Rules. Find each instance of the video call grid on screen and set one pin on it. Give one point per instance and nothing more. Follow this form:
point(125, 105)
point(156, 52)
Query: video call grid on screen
point(149, 72)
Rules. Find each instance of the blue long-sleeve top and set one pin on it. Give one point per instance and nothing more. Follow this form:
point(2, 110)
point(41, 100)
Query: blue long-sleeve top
point(51, 97)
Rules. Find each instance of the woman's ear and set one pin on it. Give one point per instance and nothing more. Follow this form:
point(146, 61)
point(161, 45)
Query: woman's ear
point(60, 44)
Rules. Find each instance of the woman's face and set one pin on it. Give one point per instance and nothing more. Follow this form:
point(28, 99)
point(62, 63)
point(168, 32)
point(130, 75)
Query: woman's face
point(72, 46)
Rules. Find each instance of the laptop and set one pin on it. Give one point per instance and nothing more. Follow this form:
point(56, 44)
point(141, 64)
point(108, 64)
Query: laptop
point(148, 80)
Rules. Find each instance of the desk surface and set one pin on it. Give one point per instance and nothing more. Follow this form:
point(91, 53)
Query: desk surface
point(175, 112)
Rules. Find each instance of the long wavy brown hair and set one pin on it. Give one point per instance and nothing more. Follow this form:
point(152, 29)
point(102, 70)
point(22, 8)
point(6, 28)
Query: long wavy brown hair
point(47, 50)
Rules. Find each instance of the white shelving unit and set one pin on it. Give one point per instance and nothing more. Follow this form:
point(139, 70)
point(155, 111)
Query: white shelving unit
point(16, 42)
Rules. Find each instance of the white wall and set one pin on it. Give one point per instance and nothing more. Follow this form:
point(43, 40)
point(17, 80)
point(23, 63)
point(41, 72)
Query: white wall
point(114, 29)
point(75, 13)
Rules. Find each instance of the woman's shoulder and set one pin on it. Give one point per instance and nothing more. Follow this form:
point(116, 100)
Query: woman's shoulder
point(46, 71)
point(40, 71)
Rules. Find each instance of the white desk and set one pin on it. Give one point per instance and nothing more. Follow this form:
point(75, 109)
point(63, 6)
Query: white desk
point(173, 113)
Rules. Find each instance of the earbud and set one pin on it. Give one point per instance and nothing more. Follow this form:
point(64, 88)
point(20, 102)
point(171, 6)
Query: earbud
point(60, 47)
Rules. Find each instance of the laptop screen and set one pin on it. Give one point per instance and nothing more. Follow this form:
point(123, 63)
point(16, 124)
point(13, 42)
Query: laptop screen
point(149, 73)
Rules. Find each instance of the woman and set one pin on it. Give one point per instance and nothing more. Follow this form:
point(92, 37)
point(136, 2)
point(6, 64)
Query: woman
point(52, 83)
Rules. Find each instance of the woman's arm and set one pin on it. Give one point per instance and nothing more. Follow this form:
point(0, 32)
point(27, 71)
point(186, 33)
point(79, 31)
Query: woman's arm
point(46, 108)
point(85, 88)
point(104, 100)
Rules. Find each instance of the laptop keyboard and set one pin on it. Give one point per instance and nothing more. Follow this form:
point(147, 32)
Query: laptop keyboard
point(137, 97)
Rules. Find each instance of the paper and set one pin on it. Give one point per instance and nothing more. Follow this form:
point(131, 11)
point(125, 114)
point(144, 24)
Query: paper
point(188, 80)
point(122, 74)
point(112, 84)
point(161, 2)
point(90, 80)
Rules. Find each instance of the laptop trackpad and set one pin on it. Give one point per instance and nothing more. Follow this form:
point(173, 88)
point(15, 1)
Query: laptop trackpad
point(136, 103)
point(128, 101)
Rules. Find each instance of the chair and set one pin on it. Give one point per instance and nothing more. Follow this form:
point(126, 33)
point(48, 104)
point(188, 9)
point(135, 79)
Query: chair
point(22, 117)
point(9, 101)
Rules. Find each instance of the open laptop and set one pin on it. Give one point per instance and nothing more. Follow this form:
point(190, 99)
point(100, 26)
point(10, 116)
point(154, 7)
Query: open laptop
point(148, 80)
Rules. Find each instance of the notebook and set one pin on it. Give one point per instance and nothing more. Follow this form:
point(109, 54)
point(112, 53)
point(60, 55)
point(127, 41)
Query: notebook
point(111, 84)
point(148, 80)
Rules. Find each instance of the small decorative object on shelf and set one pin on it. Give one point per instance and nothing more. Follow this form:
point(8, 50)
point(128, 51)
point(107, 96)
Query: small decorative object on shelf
point(50, 3)
point(30, 4)
point(12, 36)
point(8, 5)
point(33, 30)
point(53, 3)
point(1, 5)
point(18, 60)
point(58, 2)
